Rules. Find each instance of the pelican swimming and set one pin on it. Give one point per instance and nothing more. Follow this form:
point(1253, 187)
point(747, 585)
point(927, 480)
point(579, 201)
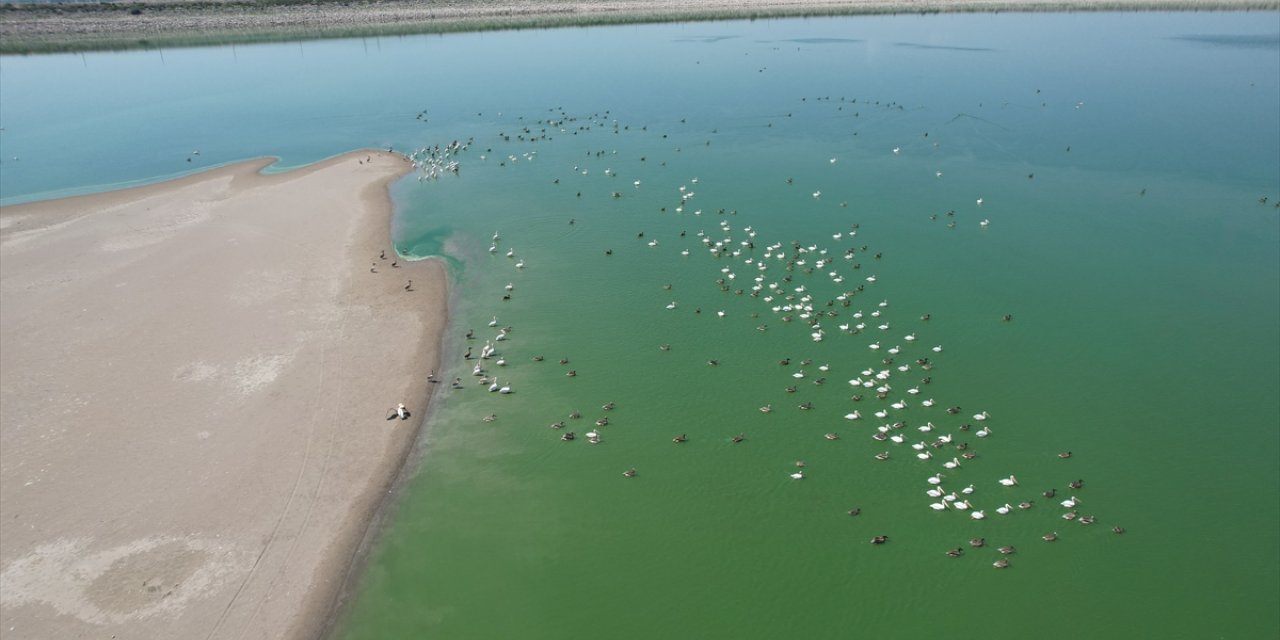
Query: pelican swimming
point(983, 432)
point(952, 464)
point(935, 478)
point(797, 475)
point(962, 504)
point(1009, 482)
point(981, 416)
point(978, 515)
point(967, 490)
point(1005, 509)
point(1070, 503)
point(506, 388)
point(938, 506)
point(853, 416)
point(672, 305)
point(511, 253)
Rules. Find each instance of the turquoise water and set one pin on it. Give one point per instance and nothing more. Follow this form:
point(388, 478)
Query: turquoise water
point(1120, 159)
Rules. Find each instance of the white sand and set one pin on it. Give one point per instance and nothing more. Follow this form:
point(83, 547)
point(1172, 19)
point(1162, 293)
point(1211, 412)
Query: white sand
point(194, 378)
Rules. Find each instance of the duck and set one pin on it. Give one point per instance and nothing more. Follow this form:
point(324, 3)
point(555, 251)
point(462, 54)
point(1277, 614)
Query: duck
point(879, 539)
point(629, 473)
point(1050, 537)
point(883, 455)
point(832, 436)
point(955, 553)
point(680, 439)
point(1001, 564)
point(977, 542)
point(1007, 550)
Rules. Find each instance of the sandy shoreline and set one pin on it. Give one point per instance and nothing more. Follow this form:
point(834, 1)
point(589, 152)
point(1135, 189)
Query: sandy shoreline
point(194, 379)
point(33, 27)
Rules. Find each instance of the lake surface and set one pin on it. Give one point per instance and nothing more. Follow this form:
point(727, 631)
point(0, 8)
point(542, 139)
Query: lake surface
point(777, 184)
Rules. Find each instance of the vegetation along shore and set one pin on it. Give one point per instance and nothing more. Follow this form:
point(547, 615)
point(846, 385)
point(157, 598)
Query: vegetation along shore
point(46, 27)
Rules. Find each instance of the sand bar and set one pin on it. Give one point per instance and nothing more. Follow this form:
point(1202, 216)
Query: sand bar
point(194, 380)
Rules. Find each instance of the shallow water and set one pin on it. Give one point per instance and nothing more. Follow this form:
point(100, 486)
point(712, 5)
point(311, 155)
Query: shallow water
point(1119, 158)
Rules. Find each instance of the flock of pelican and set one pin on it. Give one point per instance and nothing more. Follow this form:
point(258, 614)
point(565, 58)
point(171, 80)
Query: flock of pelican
point(824, 289)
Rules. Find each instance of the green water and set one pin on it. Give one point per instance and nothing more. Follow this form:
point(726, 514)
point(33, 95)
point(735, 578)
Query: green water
point(1138, 266)
point(1120, 159)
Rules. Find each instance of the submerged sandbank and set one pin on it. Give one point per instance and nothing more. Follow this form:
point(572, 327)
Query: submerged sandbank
point(195, 379)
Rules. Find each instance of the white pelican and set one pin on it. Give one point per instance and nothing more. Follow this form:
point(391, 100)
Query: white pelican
point(961, 504)
point(520, 264)
point(979, 202)
point(897, 150)
point(951, 464)
point(511, 253)
point(672, 305)
point(1070, 503)
point(983, 432)
point(937, 349)
point(506, 388)
point(510, 286)
point(720, 314)
point(873, 346)
point(799, 474)
point(494, 386)
point(852, 416)
point(984, 223)
point(936, 492)
point(798, 374)
point(978, 515)
point(910, 337)
point(938, 506)
point(817, 194)
point(927, 403)
point(1004, 510)
point(882, 414)
point(981, 416)
point(832, 161)
point(1009, 482)
point(924, 455)
point(494, 322)
point(935, 478)
point(967, 490)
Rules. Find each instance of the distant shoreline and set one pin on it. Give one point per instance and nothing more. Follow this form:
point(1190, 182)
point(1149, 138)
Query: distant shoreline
point(30, 28)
